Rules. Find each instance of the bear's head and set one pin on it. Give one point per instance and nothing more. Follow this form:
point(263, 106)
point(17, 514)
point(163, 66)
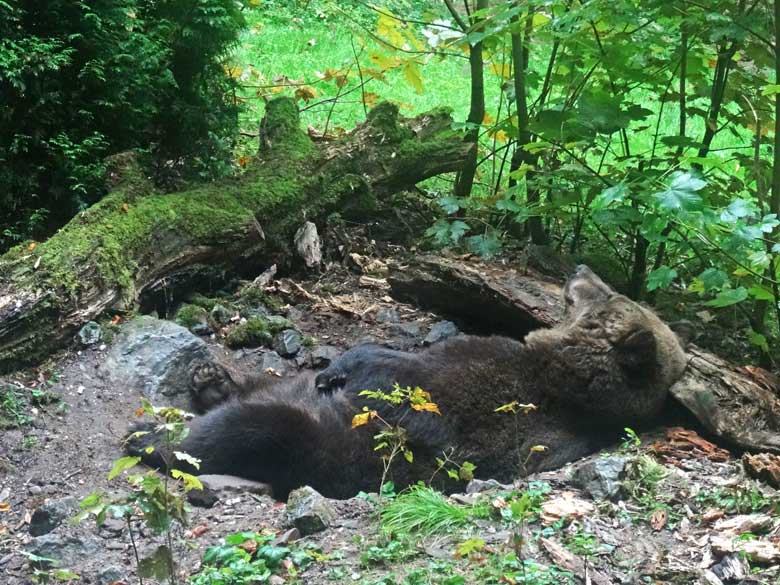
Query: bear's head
point(610, 354)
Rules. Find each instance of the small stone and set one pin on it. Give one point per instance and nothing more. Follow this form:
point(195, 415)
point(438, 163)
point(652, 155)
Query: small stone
point(600, 477)
point(110, 574)
point(440, 331)
point(287, 537)
point(287, 343)
point(52, 514)
point(308, 244)
point(90, 333)
point(216, 487)
point(258, 311)
point(323, 355)
point(65, 551)
point(477, 486)
point(276, 580)
point(294, 314)
point(221, 314)
point(112, 528)
point(405, 329)
point(309, 511)
point(273, 361)
point(201, 329)
point(387, 315)
point(35, 490)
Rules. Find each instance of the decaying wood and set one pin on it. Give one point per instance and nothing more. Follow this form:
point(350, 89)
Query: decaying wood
point(739, 404)
point(137, 244)
point(565, 559)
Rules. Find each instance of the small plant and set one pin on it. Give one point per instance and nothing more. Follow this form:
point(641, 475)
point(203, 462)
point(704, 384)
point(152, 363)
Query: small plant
point(30, 441)
point(514, 408)
point(631, 441)
point(253, 332)
point(389, 548)
point(739, 499)
point(153, 499)
point(248, 558)
point(424, 510)
point(392, 439)
point(13, 409)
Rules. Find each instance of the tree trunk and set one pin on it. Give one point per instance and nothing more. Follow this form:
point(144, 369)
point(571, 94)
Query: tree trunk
point(136, 242)
point(740, 404)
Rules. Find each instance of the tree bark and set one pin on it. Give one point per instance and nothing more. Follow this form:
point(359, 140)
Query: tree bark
point(740, 404)
point(136, 242)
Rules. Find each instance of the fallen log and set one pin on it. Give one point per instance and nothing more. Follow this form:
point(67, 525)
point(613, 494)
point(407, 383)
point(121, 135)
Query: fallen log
point(136, 242)
point(739, 404)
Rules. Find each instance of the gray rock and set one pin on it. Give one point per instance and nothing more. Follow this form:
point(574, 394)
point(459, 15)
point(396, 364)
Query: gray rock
point(600, 477)
point(309, 511)
point(216, 487)
point(308, 244)
point(440, 331)
point(405, 329)
point(295, 314)
point(90, 333)
point(273, 360)
point(233, 484)
point(52, 514)
point(323, 355)
point(476, 486)
point(221, 314)
point(288, 536)
point(155, 357)
point(201, 328)
point(287, 343)
point(65, 551)
point(110, 574)
point(387, 315)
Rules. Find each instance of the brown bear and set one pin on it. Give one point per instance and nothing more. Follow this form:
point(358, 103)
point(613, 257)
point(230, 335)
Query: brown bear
point(608, 365)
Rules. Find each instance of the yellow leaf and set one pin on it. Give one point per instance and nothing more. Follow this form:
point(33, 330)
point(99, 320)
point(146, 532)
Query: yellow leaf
point(305, 93)
point(255, 2)
point(487, 119)
point(370, 99)
point(362, 419)
point(500, 136)
point(5, 507)
point(427, 407)
point(387, 27)
point(501, 69)
point(538, 448)
point(31, 246)
point(243, 160)
point(412, 74)
point(385, 62)
point(233, 72)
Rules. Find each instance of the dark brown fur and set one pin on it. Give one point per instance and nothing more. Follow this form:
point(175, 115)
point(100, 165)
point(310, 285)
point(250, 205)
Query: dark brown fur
point(609, 365)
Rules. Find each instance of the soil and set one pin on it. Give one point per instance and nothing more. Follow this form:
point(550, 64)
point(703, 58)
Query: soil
point(69, 444)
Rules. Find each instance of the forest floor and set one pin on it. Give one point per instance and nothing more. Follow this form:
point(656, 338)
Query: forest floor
point(686, 514)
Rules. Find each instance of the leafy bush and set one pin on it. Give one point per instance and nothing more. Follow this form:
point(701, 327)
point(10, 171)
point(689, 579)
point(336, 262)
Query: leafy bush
point(79, 81)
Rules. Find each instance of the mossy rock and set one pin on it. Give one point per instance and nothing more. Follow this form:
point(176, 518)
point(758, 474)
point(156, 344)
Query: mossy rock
point(190, 315)
point(251, 333)
point(277, 324)
point(251, 295)
point(203, 301)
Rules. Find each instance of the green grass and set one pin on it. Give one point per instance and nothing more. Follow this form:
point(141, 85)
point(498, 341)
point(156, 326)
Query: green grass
point(424, 510)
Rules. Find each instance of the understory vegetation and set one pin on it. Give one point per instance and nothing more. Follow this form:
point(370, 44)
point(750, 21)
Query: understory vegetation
point(640, 137)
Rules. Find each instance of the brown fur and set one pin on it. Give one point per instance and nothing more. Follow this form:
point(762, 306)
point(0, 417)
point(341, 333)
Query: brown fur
point(609, 365)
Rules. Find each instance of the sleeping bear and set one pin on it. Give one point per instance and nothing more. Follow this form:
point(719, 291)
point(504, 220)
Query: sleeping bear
point(609, 364)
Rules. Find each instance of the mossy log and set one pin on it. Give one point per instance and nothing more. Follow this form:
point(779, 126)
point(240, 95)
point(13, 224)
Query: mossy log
point(739, 404)
point(136, 240)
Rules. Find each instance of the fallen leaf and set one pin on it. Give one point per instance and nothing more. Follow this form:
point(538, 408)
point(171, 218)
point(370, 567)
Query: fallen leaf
point(5, 507)
point(658, 519)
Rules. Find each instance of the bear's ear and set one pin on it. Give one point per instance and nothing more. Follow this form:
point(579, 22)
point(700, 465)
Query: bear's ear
point(684, 330)
point(585, 287)
point(637, 351)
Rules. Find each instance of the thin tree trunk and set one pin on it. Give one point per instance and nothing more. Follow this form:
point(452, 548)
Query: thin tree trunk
point(465, 179)
point(520, 157)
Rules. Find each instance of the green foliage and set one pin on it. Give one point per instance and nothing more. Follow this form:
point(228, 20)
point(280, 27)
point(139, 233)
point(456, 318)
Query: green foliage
point(154, 499)
point(17, 404)
point(738, 499)
point(423, 510)
point(79, 81)
point(248, 558)
point(253, 332)
point(191, 315)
